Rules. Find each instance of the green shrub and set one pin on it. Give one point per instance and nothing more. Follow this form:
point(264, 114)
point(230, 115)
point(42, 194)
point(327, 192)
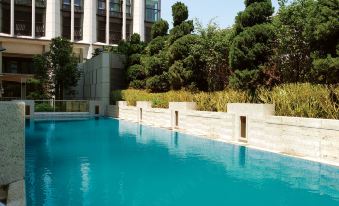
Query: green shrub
point(136, 72)
point(43, 107)
point(303, 100)
point(137, 84)
point(300, 100)
point(158, 83)
point(159, 28)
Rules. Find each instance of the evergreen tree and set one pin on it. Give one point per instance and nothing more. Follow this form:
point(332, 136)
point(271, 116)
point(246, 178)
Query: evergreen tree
point(252, 45)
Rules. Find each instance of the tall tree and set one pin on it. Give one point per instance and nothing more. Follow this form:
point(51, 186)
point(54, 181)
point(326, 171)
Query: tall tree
point(59, 66)
point(252, 45)
point(323, 32)
point(293, 53)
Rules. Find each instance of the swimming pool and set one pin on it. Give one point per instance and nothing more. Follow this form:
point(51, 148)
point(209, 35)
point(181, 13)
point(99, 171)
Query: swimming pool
point(112, 162)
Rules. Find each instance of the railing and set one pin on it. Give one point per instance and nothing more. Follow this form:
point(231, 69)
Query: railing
point(39, 29)
point(23, 27)
point(61, 106)
point(115, 37)
point(9, 98)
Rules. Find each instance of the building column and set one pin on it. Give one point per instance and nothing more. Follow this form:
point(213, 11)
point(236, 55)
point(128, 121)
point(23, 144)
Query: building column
point(53, 19)
point(107, 21)
point(124, 20)
point(72, 20)
point(139, 18)
point(33, 18)
point(12, 17)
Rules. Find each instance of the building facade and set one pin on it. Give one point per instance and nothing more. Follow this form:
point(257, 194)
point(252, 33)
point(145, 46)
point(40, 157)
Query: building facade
point(27, 27)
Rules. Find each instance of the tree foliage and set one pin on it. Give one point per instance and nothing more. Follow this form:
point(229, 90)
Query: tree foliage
point(179, 13)
point(159, 28)
point(252, 46)
point(57, 69)
point(298, 44)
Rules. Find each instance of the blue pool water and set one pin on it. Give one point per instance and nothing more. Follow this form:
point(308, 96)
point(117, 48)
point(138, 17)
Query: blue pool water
point(111, 162)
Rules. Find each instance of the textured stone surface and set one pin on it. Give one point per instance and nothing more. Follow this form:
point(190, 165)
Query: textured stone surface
point(16, 194)
point(180, 106)
point(316, 139)
point(144, 104)
point(243, 109)
point(12, 142)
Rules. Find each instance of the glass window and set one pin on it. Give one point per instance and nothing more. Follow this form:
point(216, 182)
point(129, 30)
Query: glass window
point(67, 2)
point(102, 7)
point(5, 16)
point(152, 10)
point(78, 27)
point(66, 24)
point(23, 17)
point(115, 8)
point(40, 16)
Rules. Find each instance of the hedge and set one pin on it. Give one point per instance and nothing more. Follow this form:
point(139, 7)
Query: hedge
point(299, 100)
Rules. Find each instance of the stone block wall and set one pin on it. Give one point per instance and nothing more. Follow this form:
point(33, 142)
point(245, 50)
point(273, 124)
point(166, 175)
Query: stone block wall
point(306, 137)
point(316, 139)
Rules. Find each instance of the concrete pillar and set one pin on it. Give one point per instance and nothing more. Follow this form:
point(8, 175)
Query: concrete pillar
point(89, 21)
point(33, 18)
point(12, 17)
point(107, 21)
point(89, 26)
point(124, 20)
point(72, 20)
point(53, 19)
point(139, 18)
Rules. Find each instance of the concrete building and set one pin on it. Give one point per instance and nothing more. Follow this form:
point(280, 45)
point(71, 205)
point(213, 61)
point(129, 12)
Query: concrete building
point(27, 27)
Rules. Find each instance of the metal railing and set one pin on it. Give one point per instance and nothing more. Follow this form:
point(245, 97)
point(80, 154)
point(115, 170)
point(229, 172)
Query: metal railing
point(61, 106)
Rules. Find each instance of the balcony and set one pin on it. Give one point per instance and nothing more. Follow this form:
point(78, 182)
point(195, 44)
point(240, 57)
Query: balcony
point(39, 29)
point(23, 28)
point(115, 37)
point(77, 33)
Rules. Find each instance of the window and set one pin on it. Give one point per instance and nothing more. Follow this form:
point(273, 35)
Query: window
point(115, 8)
point(78, 6)
point(115, 33)
point(101, 7)
point(78, 19)
point(66, 5)
point(18, 65)
point(40, 3)
point(40, 16)
point(101, 30)
point(152, 10)
point(23, 17)
point(66, 24)
point(78, 27)
point(128, 8)
point(5, 16)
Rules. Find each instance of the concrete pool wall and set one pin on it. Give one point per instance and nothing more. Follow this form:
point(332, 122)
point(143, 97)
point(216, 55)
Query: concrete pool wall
point(12, 152)
point(253, 125)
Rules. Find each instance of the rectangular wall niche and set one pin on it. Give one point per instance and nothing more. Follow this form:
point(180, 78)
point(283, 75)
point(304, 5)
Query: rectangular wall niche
point(140, 115)
point(97, 110)
point(243, 127)
point(176, 119)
